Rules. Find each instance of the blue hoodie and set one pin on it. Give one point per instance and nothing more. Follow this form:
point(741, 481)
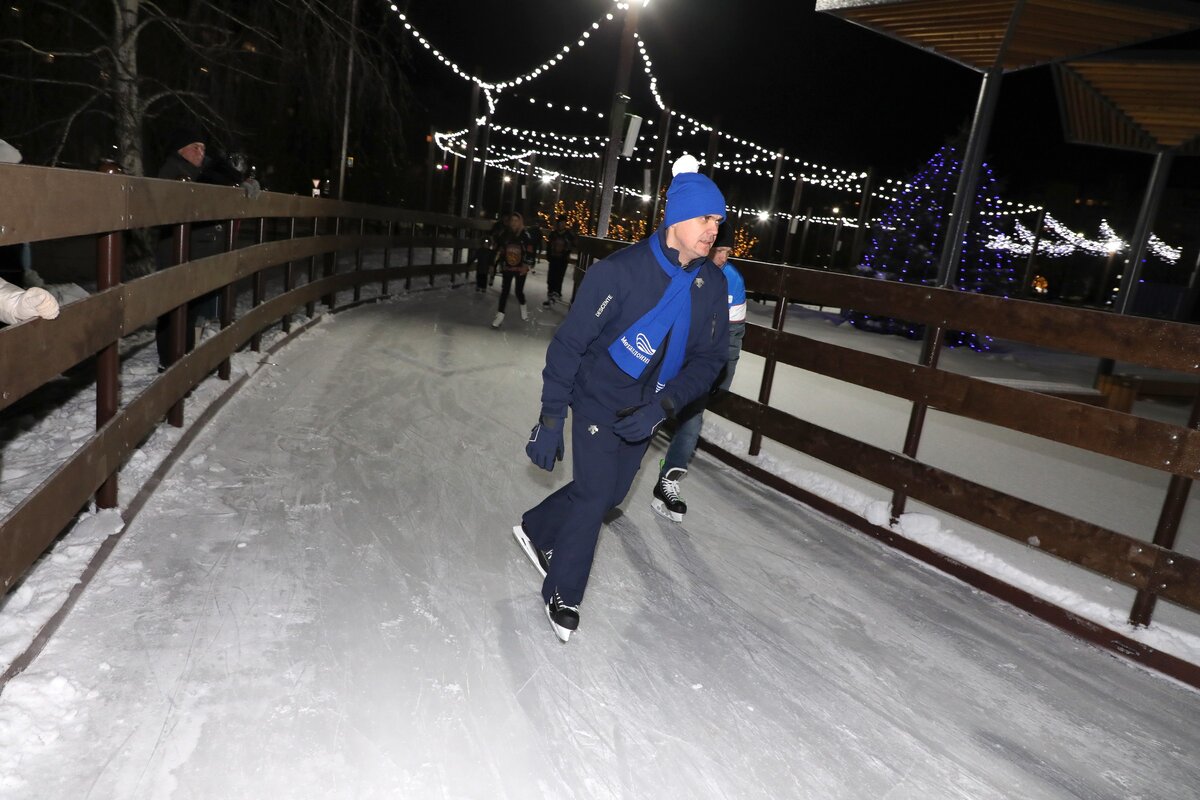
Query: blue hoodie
point(616, 292)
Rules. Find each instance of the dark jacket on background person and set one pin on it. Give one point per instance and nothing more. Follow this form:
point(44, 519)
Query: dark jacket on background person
point(514, 251)
point(616, 292)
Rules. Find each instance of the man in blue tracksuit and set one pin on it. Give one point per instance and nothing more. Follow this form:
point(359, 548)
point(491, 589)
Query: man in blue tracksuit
point(647, 334)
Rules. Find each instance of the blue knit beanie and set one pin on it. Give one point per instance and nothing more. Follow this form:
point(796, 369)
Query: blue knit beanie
point(691, 194)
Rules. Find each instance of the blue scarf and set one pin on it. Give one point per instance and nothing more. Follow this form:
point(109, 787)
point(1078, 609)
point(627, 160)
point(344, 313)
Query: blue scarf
point(634, 349)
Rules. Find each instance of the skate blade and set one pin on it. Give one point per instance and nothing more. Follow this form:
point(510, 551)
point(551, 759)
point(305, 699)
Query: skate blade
point(527, 546)
point(562, 633)
point(661, 509)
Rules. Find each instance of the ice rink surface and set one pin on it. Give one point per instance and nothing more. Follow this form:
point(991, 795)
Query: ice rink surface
point(322, 600)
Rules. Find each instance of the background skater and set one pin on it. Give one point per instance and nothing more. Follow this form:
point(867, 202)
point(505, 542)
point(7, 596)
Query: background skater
point(673, 467)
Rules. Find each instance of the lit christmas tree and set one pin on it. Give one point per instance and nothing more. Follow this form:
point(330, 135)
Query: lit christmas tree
point(907, 242)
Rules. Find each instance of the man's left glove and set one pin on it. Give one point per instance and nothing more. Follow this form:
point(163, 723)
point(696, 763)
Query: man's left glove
point(639, 423)
point(251, 188)
point(546, 443)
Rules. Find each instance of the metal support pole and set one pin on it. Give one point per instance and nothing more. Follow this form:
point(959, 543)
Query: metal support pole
point(530, 183)
point(792, 221)
point(464, 209)
point(1031, 264)
point(430, 168)
point(864, 216)
point(617, 120)
point(453, 186)
point(483, 168)
point(833, 248)
point(960, 215)
point(665, 127)
point(1132, 270)
point(710, 155)
point(968, 179)
point(771, 220)
point(349, 87)
point(804, 236)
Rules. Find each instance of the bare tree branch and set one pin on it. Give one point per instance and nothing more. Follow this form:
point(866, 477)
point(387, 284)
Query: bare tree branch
point(70, 122)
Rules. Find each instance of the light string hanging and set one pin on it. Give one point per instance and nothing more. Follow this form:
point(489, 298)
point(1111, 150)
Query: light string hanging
point(743, 163)
point(497, 87)
point(1069, 242)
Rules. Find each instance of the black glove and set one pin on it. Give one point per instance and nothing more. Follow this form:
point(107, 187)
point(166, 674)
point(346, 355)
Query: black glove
point(546, 443)
point(638, 423)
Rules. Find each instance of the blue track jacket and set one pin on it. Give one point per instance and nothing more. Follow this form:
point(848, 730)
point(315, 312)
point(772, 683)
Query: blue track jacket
point(615, 293)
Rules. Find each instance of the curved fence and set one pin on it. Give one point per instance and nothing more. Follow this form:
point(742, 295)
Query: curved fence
point(1090, 419)
point(297, 240)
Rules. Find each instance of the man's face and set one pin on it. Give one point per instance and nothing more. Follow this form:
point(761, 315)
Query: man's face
point(516, 223)
point(694, 237)
point(193, 153)
point(720, 255)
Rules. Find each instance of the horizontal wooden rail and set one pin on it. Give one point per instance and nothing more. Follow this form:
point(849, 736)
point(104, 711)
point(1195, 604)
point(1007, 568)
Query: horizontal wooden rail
point(1158, 445)
point(1149, 342)
point(1124, 559)
point(40, 203)
point(34, 524)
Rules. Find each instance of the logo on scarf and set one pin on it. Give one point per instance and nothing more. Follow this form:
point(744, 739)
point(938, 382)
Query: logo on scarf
point(643, 344)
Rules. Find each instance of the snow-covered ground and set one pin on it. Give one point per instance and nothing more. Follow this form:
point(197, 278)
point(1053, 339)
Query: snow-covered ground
point(321, 600)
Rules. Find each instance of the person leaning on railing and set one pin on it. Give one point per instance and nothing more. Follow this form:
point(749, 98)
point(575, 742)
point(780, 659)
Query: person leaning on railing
point(188, 160)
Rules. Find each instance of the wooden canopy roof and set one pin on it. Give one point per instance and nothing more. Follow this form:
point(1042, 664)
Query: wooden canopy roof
point(1142, 101)
point(1018, 34)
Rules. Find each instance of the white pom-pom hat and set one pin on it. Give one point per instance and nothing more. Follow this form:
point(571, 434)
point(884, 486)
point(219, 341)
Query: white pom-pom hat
point(691, 194)
point(685, 163)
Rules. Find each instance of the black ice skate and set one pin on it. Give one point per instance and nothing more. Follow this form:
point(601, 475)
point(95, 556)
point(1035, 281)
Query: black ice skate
point(563, 618)
point(539, 558)
point(667, 501)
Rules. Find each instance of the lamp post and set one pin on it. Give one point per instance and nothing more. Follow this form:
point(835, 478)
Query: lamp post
point(617, 120)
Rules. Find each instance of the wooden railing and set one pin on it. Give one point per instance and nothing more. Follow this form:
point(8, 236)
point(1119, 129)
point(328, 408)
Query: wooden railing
point(1150, 565)
point(298, 237)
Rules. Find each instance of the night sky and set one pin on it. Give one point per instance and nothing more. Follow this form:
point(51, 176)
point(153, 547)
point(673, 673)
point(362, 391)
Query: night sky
point(777, 73)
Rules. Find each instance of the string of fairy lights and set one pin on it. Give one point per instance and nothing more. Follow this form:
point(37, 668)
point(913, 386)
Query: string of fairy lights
point(1063, 242)
point(746, 158)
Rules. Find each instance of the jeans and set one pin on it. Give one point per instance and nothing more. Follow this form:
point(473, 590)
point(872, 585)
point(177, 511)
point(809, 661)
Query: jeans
point(506, 280)
point(483, 266)
point(558, 268)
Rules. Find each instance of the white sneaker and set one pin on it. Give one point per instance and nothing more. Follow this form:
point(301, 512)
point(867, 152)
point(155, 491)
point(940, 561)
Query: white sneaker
point(499, 318)
point(524, 313)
